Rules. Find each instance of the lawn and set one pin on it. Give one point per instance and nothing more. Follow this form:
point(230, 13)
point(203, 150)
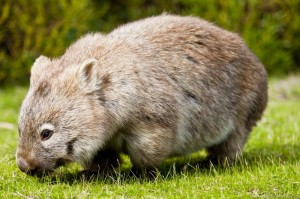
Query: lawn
point(269, 167)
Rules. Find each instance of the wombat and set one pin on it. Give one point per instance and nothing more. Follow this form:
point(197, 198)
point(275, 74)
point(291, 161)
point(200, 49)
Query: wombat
point(156, 88)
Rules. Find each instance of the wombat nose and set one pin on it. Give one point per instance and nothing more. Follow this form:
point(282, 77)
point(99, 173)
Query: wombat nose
point(24, 166)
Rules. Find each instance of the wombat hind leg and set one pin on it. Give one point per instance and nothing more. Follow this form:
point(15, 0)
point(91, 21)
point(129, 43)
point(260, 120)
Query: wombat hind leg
point(104, 162)
point(226, 152)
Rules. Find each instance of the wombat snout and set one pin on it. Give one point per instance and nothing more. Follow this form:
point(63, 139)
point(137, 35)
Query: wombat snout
point(36, 167)
point(26, 167)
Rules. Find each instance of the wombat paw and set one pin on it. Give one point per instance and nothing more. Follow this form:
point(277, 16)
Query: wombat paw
point(142, 173)
point(216, 162)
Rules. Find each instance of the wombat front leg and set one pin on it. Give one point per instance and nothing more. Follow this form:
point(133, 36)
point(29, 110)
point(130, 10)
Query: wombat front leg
point(147, 147)
point(104, 162)
point(226, 152)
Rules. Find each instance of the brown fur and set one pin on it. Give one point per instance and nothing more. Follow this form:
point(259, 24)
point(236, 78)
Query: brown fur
point(159, 87)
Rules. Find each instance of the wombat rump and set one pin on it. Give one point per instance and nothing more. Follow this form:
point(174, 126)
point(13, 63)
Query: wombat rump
point(156, 88)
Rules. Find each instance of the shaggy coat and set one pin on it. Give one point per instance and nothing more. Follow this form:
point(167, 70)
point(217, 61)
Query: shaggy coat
point(160, 87)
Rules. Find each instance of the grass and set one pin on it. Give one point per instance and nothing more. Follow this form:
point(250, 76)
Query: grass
point(269, 167)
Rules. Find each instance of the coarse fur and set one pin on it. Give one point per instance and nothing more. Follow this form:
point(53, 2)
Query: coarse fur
point(160, 87)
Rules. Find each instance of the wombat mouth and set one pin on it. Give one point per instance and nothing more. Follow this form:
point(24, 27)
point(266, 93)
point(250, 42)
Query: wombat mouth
point(40, 172)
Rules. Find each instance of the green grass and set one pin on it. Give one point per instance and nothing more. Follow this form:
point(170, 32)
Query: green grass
point(269, 167)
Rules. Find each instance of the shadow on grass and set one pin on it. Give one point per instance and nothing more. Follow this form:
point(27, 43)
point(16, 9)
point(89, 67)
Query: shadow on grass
point(251, 159)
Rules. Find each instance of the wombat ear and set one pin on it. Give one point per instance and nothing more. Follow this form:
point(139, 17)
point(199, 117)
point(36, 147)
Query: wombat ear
point(38, 67)
point(88, 75)
point(39, 63)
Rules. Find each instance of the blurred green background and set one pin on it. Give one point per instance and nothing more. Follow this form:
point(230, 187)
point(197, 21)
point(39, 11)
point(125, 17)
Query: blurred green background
point(29, 28)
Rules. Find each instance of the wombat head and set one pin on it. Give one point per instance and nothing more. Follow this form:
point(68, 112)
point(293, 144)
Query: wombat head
point(60, 118)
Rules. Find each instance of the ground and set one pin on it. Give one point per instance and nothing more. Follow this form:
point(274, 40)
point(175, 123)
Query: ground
point(268, 168)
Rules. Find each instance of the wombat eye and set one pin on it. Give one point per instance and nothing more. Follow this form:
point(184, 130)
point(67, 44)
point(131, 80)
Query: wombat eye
point(46, 134)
